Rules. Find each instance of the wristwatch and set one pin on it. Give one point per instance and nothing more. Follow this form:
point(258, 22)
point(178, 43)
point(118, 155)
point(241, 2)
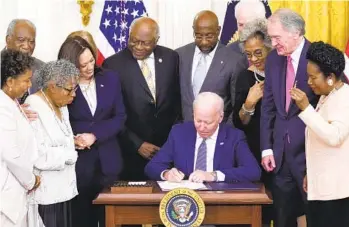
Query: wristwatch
point(214, 174)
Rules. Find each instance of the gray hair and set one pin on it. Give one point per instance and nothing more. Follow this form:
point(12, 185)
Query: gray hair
point(157, 29)
point(252, 9)
point(290, 20)
point(253, 29)
point(59, 72)
point(13, 23)
point(209, 99)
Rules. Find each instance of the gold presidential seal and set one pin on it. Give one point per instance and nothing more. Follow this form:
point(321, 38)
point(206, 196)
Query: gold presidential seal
point(182, 207)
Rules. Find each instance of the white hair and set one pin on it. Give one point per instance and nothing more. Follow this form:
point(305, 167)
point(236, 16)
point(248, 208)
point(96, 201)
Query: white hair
point(13, 23)
point(290, 20)
point(251, 9)
point(209, 100)
point(157, 29)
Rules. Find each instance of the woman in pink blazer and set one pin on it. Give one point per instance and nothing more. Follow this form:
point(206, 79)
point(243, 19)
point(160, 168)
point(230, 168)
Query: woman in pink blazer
point(327, 141)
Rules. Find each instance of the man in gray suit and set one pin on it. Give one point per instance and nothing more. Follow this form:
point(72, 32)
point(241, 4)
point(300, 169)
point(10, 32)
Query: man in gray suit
point(207, 65)
point(20, 36)
point(245, 11)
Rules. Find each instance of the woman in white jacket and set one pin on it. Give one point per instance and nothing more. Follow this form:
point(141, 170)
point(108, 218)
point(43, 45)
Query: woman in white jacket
point(18, 146)
point(57, 81)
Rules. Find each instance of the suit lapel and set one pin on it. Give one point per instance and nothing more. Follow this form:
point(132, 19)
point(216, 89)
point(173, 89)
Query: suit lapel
point(160, 75)
point(101, 93)
point(190, 146)
point(220, 142)
point(216, 66)
point(188, 64)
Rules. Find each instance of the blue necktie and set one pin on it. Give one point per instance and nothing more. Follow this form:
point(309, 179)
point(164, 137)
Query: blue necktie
point(199, 75)
point(201, 159)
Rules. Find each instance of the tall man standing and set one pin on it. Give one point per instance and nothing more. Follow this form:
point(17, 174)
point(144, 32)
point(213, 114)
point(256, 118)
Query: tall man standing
point(282, 131)
point(207, 65)
point(20, 36)
point(150, 86)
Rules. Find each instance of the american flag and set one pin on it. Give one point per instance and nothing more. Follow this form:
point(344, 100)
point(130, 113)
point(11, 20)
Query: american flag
point(116, 19)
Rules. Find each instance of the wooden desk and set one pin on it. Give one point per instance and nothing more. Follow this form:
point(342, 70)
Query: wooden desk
point(242, 207)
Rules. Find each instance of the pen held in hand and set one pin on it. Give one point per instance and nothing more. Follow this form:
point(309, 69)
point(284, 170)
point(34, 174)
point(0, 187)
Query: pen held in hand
point(295, 84)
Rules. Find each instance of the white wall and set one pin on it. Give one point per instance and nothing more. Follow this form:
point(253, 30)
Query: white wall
point(55, 19)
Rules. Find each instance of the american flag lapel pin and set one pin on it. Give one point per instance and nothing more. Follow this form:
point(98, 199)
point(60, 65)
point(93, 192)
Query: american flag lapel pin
point(102, 85)
point(222, 62)
point(221, 143)
point(160, 60)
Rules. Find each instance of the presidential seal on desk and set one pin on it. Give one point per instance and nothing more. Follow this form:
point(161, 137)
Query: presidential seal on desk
point(182, 207)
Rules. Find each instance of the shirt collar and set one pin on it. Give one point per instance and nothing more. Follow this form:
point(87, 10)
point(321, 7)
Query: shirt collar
point(211, 54)
point(295, 56)
point(213, 137)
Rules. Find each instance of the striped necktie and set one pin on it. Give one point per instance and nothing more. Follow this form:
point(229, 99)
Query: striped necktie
point(201, 159)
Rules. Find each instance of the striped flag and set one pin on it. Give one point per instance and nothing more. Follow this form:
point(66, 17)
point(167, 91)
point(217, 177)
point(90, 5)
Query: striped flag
point(114, 26)
point(230, 25)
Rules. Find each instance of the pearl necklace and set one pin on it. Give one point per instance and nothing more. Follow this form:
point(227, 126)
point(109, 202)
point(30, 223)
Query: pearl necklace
point(66, 131)
point(262, 74)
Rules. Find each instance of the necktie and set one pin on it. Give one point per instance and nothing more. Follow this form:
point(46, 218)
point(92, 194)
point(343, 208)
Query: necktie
point(148, 78)
point(201, 157)
point(290, 77)
point(199, 74)
point(24, 97)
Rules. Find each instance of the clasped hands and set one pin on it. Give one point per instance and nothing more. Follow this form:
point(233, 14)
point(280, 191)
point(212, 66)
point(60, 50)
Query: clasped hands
point(84, 141)
point(198, 176)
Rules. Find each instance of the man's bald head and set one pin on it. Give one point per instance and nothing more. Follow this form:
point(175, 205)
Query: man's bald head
point(143, 37)
point(206, 30)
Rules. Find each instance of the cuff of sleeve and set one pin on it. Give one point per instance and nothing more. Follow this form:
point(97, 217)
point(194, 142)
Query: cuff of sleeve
point(305, 113)
point(162, 175)
point(267, 152)
point(220, 176)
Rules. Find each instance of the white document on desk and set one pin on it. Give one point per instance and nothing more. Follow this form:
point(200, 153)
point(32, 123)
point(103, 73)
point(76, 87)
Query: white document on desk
point(168, 186)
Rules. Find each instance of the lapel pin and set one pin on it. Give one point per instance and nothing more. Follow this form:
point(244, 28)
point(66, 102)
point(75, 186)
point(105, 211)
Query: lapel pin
point(160, 60)
point(102, 85)
point(222, 62)
point(221, 143)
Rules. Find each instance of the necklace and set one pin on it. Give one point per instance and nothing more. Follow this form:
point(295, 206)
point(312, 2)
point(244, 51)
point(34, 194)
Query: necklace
point(87, 87)
point(323, 99)
point(87, 95)
point(262, 74)
point(66, 131)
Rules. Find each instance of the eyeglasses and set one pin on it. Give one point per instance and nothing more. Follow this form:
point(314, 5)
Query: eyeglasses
point(257, 53)
point(200, 37)
point(69, 90)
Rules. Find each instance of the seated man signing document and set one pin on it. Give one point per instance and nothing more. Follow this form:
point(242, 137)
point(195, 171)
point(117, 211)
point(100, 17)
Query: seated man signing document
point(205, 150)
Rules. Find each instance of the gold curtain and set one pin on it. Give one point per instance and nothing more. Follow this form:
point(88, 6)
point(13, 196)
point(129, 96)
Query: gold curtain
point(325, 20)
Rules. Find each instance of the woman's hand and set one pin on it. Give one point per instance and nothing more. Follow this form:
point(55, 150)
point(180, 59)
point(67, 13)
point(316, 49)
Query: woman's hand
point(88, 139)
point(300, 98)
point(254, 95)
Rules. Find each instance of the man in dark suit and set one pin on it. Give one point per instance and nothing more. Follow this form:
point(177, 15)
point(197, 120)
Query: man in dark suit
point(282, 131)
point(206, 149)
point(150, 87)
point(207, 65)
point(245, 11)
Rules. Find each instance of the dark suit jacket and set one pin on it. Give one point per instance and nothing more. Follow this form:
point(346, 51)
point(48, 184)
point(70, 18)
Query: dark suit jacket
point(281, 131)
point(147, 121)
point(235, 46)
point(220, 78)
point(232, 155)
point(105, 124)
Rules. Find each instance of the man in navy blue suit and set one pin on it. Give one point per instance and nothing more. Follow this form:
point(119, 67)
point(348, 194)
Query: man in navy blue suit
point(205, 150)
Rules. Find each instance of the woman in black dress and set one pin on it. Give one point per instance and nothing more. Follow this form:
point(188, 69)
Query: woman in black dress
point(249, 85)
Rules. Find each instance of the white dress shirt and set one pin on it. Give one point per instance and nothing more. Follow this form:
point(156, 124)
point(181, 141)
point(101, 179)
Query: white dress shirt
point(196, 59)
point(295, 56)
point(211, 146)
point(90, 94)
point(150, 60)
point(57, 155)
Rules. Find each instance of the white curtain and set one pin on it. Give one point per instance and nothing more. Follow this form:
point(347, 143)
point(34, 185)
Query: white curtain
point(55, 19)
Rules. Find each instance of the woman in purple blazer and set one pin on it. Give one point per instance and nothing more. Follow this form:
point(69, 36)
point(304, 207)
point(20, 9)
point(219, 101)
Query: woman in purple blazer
point(97, 115)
